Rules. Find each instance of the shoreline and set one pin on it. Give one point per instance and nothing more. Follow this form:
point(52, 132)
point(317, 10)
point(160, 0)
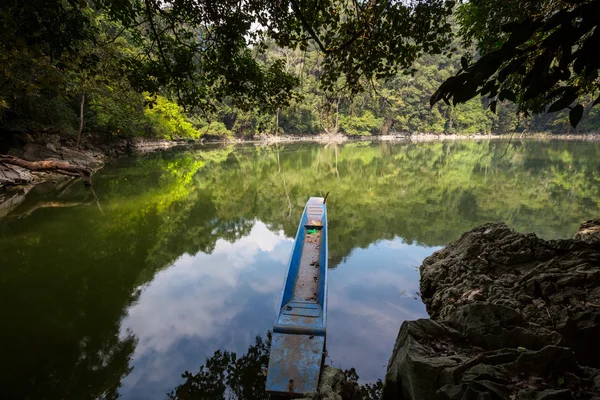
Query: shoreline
point(97, 149)
point(405, 137)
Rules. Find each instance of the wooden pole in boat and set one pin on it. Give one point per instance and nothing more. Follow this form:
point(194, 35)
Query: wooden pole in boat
point(325, 199)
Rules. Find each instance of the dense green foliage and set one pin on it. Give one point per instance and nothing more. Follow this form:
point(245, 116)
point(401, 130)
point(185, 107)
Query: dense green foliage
point(114, 58)
point(186, 69)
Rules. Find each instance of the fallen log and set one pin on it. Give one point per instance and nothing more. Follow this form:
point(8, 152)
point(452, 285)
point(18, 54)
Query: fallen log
point(61, 167)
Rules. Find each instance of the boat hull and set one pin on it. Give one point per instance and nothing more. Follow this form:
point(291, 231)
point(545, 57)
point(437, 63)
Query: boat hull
point(299, 332)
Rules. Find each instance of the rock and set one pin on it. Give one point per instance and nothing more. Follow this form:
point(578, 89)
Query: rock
point(13, 175)
point(495, 326)
point(589, 231)
point(549, 360)
point(415, 373)
point(551, 394)
point(54, 140)
point(412, 369)
point(36, 152)
point(82, 158)
point(10, 200)
point(140, 144)
point(514, 317)
point(333, 385)
point(551, 287)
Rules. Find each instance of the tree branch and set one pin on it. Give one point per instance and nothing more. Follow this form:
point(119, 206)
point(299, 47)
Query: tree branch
point(158, 42)
point(119, 34)
point(351, 40)
point(379, 94)
point(307, 26)
point(62, 167)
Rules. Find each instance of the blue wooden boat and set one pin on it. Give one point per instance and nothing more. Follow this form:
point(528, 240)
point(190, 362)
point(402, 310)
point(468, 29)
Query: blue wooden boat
point(298, 343)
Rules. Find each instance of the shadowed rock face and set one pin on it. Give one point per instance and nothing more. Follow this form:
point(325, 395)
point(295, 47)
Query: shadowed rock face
point(333, 385)
point(514, 317)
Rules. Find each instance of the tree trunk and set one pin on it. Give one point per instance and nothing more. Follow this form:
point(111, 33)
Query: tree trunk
point(277, 122)
point(80, 120)
point(337, 115)
point(62, 167)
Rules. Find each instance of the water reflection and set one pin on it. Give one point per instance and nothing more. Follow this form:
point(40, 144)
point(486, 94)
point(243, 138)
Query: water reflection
point(225, 375)
point(183, 253)
point(368, 297)
point(203, 302)
point(223, 299)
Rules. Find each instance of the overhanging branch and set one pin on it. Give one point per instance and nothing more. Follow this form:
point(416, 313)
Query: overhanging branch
point(307, 26)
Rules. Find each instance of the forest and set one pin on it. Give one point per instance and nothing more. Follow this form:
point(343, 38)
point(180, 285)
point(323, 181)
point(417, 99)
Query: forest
point(169, 70)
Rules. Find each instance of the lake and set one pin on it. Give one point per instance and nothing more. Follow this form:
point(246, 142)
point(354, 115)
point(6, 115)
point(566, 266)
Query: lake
point(178, 254)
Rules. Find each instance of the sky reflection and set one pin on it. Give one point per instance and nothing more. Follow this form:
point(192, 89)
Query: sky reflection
point(205, 302)
point(202, 303)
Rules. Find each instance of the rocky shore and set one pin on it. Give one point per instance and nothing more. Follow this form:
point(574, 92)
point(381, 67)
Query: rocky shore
point(91, 155)
point(513, 317)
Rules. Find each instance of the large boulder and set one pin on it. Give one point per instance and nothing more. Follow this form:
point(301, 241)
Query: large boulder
point(545, 285)
point(432, 361)
point(514, 317)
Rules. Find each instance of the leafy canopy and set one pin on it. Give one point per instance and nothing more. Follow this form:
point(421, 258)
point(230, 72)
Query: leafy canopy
point(536, 54)
point(202, 50)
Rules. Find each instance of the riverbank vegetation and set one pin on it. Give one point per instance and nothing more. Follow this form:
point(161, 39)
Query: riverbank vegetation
point(187, 69)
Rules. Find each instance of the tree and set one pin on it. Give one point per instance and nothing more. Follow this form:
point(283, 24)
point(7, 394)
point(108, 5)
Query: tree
point(544, 55)
point(216, 60)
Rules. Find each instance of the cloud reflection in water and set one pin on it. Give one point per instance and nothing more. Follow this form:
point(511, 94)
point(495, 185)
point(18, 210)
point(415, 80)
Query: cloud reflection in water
point(222, 300)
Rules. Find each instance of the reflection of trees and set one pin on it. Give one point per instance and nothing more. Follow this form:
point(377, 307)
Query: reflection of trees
point(70, 274)
point(63, 297)
point(424, 193)
point(225, 376)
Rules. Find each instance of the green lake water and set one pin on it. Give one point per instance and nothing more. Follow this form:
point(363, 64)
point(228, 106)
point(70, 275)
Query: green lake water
point(178, 254)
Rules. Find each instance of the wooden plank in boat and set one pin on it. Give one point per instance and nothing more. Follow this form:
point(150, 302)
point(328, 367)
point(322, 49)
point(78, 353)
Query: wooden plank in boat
point(295, 364)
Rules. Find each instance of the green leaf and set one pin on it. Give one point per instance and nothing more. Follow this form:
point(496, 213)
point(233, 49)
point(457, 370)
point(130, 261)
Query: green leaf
point(508, 95)
point(464, 63)
point(487, 88)
point(563, 102)
point(435, 98)
point(575, 115)
point(597, 101)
